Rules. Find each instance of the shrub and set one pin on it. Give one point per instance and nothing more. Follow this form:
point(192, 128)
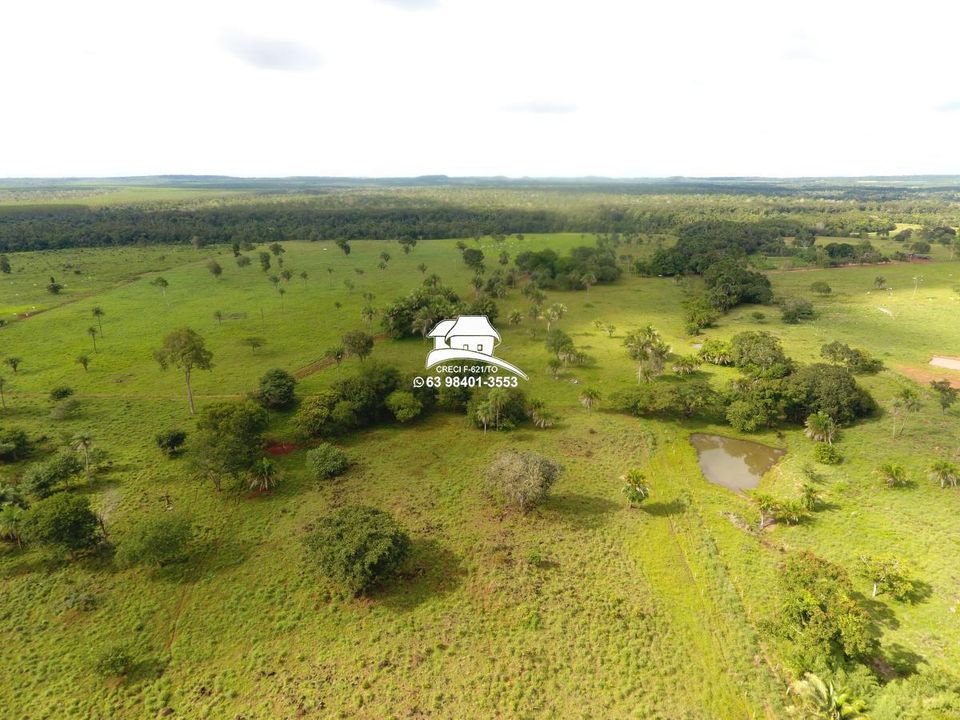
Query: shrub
point(403, 405)
point(827, 454)
point(159, 540)
point(171, 441)
point(40, 479)
point(114, 662)
point(326, 461)
point(521, 479)
point(277, 389)
point(358, 547)
point(61, 392)
point(793, 310)
point(14, 444)
point(62, 520)
point(821, 288)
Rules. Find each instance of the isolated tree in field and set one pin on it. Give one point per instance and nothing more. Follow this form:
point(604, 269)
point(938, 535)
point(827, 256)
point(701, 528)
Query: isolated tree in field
point(243, 261)
point(892, 475)
point(685, 365)
point(281, 292)
point(880, 282)
point(515, 317)
point(13, 362)
point(335, 353)
point(820, 427)
point(161, 283)
point(3, 401)
point(92, 332)
point(368, 313)
point(276, 248)
point(473, 259)
point(809, 496)
point(286, 275)
point(945, 393)
point(185, 350)
point(171, 442)
point(83, 361)
point(214, 267)
point(404, 405)
point(344, 246)
point(822, 700)
point(63, 520)
point(82, 443)
point(636, 488)
point(945, 473)
point(158, 541)
point(98, 313)
point(422, 268)
point(358, 343)
point(905, 401)
point(264, 258)
point(385, 256)
point(554, 313)
point(407, 243)
point(589, 397)
point(767, 505)
point(887, 574)
point(326, 461)
point(350, 285)
point(304, 276)
point(277, 389)
point(254, 343)
point(358, 547)
point(648, 349)
point(4, 265)
point(540, 415)
point(521, 480)
point(54, 287)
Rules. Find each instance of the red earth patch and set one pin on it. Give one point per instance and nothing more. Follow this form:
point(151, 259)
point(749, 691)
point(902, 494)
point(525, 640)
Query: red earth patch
point(281, 448)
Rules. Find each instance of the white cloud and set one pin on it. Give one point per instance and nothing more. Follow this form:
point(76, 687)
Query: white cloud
point(531, 87)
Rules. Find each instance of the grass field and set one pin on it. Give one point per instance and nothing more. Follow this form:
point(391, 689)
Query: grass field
point(583, 609)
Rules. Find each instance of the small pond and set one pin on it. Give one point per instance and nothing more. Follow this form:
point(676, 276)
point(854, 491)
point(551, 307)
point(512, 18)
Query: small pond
point(735, 464)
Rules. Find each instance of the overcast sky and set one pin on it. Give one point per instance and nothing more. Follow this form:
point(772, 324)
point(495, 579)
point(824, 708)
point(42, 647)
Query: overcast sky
point(479, 87)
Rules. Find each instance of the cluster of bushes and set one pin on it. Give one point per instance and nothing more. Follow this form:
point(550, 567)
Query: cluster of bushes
point(583, 267)
point(420, 310)
point(669, 397)
point(15, 444)
point(856, 360)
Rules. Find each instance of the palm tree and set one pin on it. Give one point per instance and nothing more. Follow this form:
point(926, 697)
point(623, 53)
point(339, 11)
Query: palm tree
point(264, 475)
point(422, 268)
point(515, 317)
point(945, 473)
point(906, 401)
point(336, 353)
point(554, 313)
point(767, 505)
point(589, 397)
point(11, 517)
point(98, 313)
point(3, 402)
point(636, 487)
point(304, 276)
point(82, 442)
point(14, 363)
point(92, 332)
point(484, 414)
point(892, 474)
point(685, 365)
point(539, 415)
point(218, 316)
point(809, 496)
point(83, 360)
point(822, 700)
point(879, 282)
point(161, 283)
point(820, 428)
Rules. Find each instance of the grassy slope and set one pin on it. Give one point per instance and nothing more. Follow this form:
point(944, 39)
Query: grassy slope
point(629, 614)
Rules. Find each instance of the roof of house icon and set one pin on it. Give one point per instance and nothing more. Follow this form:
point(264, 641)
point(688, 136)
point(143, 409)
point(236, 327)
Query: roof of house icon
point(465, 325)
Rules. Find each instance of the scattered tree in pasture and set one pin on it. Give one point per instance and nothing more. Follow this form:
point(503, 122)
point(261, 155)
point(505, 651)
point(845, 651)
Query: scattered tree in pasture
point(404, 405)
point(82, 442)
point(473, 259)
point(822, 700)
point(277, 389)
point(161, 283)
point(218, 316)
point(4, 265)
point(767, 506)
point(11, 523)
point(809, 496)
point(159, 540)
point(648, 349)
point(286, 275)
point(92, 332)
point(43, 478)
point(521, 480)
point(820, 427)
point(61, 392)
point(540, 415)
point(827, 454)
point(228, 440)
point(344, 246)
point(63, 520)
point(116, 661)
point(65, 409)
point(264, 475)
point(358, 343)
point(281, 292)
point(554, 314)
point(945, 473)
point(349, 285)
point(385, 256)
point(13, 363)
point(3, 382)
point(368, 313)
point(171, 441)
point(326, 461)
point(335, 353)
point(945, 393)
point(858, 361)
point(214, 267)
point(821, 288)
point(98, 312)
point(905, 401)
point(880, 282)
point(504, 258)
point(304, 276)
point(893, 475)
point(53, 287)
point(185, 350)
point(636, 488)
point(358, 547)
point(83, 361)
point(422, 268)
point(276, 249)
point(555, 366)
point(407, 243)
point(254, 343)
point(264, 258)
point(589, 397)
point(888, 575)
point(243, 261)
point(515, 317)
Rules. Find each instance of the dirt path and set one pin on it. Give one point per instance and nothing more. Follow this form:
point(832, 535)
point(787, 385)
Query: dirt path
point(925, 375)
point(318, 365)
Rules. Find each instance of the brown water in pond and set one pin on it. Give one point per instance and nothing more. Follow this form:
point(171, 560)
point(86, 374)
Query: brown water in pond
point(735, 464)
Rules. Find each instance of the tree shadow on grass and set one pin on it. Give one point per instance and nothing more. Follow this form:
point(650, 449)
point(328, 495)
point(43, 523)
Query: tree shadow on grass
point(582, 511)
point(202, 560)
point(146, 669)
point(879, 612)
point(897, 661)
point(432, 570)
point(664, 509)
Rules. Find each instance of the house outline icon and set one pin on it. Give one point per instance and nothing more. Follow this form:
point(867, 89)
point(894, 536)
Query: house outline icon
point(468, 337)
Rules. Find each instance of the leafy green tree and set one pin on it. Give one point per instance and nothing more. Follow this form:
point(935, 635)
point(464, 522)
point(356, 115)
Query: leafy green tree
point(41, 479)
point(945, 393)
point(760, 354)
point(887, 574)
point(821, 288)
point(521, 480)
point(171, 442)
point(358, 343)
point(810, 496)
point(358, 547)
point(636, 488)
point(827, 454)
point(648, 349)
point(115, 661)
point(5, 265)
point(264, 258)
point(254, 343)
point(243, 261)
point(820, 427)
point(685, 365)
point(228, 440)
point(218, 316)
point(159, 540)
point(326, 461)
point(62, 520)
point(277, 389)
point(14, 444)
point(473, 259)
point(161, 283)
point(11, 523)
point(767, 505)
point(185, 350)
point(83, 361)
point(404, 405)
